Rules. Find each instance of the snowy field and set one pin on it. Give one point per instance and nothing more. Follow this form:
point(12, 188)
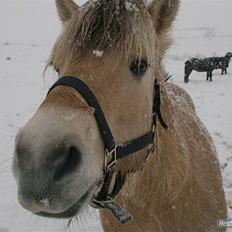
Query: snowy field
point(28, 29)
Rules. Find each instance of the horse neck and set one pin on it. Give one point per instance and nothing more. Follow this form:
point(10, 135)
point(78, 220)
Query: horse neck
point(165, 171)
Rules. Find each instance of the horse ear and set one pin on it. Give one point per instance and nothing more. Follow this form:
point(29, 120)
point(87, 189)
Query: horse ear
point(163, 13)
point(65, 9)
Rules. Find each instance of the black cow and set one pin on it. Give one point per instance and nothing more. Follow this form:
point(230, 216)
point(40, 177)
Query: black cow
point(207, 65)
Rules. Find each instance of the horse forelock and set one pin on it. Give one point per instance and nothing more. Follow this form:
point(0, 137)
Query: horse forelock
point(114, 27)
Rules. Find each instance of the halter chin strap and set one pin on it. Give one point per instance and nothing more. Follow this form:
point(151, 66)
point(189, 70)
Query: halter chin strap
point(113, 151)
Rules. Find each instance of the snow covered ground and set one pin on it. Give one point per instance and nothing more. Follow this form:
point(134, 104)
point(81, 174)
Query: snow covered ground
point(28, 29)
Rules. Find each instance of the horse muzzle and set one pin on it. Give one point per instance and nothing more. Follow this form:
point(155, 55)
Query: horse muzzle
point(55, 168)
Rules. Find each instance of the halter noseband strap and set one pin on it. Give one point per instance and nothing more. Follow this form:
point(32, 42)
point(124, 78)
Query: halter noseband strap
point(113, 151)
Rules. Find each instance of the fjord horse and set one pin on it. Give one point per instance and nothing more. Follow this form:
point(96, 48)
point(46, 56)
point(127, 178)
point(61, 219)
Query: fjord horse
point(111, 93)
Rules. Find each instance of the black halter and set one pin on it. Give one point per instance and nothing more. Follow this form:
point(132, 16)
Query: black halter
point(113, 151)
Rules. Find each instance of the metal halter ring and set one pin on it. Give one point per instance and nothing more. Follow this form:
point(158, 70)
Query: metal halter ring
point(113, 155)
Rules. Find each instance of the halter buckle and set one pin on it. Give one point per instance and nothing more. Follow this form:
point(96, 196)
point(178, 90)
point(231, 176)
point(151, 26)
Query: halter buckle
point(113, 155)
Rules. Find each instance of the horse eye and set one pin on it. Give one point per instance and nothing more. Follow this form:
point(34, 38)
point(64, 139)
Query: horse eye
point(139, 67)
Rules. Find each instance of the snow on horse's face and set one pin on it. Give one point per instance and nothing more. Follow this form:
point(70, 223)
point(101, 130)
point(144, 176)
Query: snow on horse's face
point(116, 48)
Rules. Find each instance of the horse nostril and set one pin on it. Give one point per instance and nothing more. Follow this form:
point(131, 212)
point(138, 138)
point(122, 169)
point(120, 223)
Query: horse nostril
point(69, 164)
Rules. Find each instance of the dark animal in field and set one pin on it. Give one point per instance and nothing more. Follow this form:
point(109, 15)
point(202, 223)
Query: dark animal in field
point(207, 65)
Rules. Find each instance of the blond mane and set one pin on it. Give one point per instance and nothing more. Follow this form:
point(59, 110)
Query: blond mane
point(114, 27)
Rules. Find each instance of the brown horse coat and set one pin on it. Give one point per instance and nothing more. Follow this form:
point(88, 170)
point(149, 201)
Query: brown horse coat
point(180, 187)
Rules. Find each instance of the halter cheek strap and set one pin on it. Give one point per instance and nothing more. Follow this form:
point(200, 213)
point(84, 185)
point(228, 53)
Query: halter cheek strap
point(113, 151)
